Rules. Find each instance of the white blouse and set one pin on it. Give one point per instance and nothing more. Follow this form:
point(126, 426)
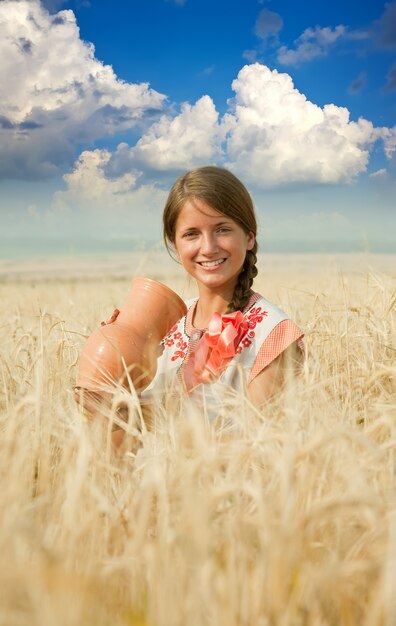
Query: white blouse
point(264, 321)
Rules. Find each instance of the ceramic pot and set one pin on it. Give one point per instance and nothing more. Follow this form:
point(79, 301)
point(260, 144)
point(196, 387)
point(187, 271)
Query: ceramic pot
point(128, 347)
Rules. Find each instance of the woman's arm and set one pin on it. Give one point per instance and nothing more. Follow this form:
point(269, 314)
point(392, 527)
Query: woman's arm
point(272, 378)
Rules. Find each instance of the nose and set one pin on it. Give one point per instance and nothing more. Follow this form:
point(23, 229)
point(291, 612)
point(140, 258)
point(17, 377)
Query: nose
point(209, 244)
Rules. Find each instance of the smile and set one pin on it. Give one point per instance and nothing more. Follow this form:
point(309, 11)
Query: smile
point(211, 263)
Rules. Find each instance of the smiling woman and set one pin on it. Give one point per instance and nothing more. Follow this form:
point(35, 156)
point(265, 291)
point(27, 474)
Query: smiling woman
point(212, 250)
point(231, 338)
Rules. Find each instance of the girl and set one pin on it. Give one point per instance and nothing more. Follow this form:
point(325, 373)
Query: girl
point(231, 338)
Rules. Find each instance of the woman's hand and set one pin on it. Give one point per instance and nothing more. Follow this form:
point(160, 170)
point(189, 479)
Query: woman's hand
point(112, 317)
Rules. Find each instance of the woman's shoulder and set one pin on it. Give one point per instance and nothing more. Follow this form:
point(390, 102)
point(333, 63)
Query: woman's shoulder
point(275, 334)
point(259, 305)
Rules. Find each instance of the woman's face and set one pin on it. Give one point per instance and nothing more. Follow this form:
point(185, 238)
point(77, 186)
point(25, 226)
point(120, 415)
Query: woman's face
point(211, 246)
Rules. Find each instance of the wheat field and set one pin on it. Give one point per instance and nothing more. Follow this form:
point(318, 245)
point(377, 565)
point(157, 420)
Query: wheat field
point(290, 523)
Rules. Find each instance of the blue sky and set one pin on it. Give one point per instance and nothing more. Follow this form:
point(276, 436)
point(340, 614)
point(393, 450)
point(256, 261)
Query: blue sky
point(104, 104)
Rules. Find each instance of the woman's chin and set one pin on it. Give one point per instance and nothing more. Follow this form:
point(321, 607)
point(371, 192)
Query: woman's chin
point(217, 282)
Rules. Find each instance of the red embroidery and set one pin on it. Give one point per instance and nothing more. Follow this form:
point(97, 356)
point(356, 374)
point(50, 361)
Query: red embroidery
point(255, 316)
point(175, 338)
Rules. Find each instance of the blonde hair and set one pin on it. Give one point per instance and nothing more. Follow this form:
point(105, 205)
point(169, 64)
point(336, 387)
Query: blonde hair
point(225, 193)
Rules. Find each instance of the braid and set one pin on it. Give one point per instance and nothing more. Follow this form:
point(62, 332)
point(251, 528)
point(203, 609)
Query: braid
point(243, 291)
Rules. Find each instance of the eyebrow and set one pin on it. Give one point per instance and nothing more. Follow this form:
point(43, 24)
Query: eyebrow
point(222, 223)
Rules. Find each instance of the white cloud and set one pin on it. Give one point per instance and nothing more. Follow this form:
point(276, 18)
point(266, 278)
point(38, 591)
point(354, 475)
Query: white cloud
point(273, 136)
point(90, 188)
point(379, 174)
point(187, 140)
point(54, 93)
point(102, 181)
point(389, 137)
point(312, 43)
point(276, 136)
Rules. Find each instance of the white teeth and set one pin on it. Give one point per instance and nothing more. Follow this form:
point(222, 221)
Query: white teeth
point(212, 263)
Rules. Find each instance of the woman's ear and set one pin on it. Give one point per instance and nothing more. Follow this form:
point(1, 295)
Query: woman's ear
point(251, 239)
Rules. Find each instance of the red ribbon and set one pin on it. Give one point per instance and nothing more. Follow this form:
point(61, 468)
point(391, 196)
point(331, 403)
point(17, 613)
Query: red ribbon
point(215, 349)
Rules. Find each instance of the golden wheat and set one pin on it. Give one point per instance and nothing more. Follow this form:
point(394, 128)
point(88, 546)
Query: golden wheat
point(291, 523)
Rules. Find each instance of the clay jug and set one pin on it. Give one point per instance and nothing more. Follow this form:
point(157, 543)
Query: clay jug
point(129, 345)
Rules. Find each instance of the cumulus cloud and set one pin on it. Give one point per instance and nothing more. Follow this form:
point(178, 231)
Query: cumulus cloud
point(89, 188)
point(268, 24)
point(271, 136)
point(58, 99)
point(276, 136)
point(191, 138)
point(312, 43)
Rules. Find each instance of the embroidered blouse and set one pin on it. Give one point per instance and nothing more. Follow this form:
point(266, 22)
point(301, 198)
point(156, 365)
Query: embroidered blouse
point(268, 333)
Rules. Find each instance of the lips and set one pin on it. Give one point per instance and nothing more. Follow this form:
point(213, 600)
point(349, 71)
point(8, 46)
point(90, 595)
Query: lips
point(210, 264)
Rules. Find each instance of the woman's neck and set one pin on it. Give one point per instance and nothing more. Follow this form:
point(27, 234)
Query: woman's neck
point(206, 306)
